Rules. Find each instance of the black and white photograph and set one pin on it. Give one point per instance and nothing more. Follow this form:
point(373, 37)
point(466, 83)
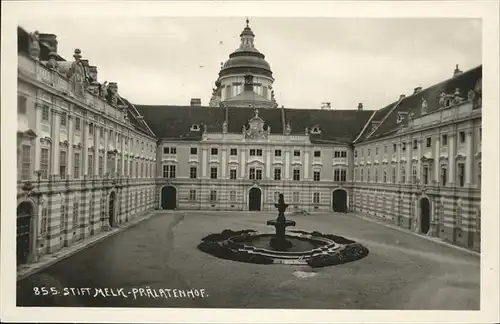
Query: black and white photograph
point(201, 157)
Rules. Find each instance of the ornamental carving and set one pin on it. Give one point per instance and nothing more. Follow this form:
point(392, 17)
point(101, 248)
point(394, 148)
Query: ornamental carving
point(255, 128)
point(34, 44)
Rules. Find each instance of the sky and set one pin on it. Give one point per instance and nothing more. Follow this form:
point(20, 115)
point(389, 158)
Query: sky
point(344, 61)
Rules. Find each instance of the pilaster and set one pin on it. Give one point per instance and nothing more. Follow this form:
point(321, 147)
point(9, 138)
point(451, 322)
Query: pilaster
point(451, 159)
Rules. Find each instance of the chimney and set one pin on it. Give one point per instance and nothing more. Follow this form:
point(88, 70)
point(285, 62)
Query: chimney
point(50, 40)
point(457, 71)
point(326, 105)
point(417, 90)
point(113, 86)
point(195, 102)
point(360, 106)
point(402, 96)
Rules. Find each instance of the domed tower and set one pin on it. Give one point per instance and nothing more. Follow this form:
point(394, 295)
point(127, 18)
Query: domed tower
point(245, 80)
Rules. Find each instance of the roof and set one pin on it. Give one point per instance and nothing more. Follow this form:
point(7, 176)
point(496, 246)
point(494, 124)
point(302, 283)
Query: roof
point(340, 126)
point(174, 122)
point(412, 104)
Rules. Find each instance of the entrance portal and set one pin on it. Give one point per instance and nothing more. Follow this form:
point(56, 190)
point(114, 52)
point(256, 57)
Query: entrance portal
point(24, 216)
point(254, 199)
point(425, 217)
point(339, 201)
point(168, 197)
point(111, 214)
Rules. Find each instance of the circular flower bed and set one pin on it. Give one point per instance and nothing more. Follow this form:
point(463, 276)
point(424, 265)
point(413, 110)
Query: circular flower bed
point(222, 245)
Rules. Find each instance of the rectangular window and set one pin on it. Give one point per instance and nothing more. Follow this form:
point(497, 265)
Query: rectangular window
point(232, 195)
point(296, 174)
point(214, 151)
point(343, 175)
point(213, 173)
point(393, 174)
point(90, 165)
point(62, 164)
point(251, 174)
point(258, 174)
point(444, 139)
point(194, 151)
point(76, 206)
point(101, 165)
point(385, 149)
point(316, 198)
point(193, 174)
point(414, 174)
point(444, 177)
point(403, 147)
point(228, 91)
point(21, 105)
point(101, 132)
point(425, 174)
point(369, 152)
point(462, 137)
point(213, 195)
point(296, 197)
point(91, 128)
point(362, 175)
point(277, 152)
point(259, 152)
point(192, 195)
point(166, 150)
point(356, 153)
point(45, 113)
point(252, 152)
point(461, 174)
point(77, 123)
point(384, 176)
point(232, 174)
point(343, 154)
point(428, 142)
point(296, 153)
point(316, 175)
point(173, 150)
point(415, 144)
point(171, 171)
point(317, 153)
point(403, 175)
point(64, 119)
point(394, 148)
point(234, 151)
point(376, 150)
point(76, 173)
point(25, 162)
point(277, 173)
point(336, 175)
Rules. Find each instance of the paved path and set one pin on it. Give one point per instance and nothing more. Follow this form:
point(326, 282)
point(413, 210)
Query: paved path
point(402, 271)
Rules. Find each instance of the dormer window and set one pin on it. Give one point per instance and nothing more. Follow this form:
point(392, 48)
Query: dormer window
point(400, 119)
point(316, 130)
point(195, 128)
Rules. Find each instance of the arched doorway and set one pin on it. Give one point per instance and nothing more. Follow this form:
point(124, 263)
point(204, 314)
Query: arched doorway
point(339, 201)
point(25, 212)
point(168, 197)
point(425, 215)
point(111, 213)
point(254, 199)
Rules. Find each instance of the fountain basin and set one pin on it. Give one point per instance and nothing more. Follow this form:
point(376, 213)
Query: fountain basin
point(314, 249)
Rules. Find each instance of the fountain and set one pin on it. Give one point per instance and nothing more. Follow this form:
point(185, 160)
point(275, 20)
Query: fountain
point(293, 247)
point(279, 241)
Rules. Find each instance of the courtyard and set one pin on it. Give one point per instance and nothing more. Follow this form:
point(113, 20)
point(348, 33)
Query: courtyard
point(401, 271)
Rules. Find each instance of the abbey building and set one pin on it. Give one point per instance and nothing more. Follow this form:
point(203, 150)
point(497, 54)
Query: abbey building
point(89, 159)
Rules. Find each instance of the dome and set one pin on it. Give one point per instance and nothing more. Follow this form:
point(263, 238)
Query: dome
point(246, 58)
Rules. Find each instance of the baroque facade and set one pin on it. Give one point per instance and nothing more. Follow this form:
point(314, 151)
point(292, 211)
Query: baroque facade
point(88, 159)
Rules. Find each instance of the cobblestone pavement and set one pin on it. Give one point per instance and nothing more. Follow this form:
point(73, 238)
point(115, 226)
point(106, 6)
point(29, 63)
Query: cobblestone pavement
point(156, 264)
